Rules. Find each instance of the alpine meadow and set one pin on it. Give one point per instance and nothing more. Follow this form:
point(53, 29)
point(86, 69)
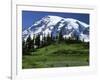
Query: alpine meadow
point(54, 39)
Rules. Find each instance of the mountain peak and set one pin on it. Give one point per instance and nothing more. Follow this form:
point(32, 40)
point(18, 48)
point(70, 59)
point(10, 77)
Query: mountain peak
point(54, 24)
point(51, 19)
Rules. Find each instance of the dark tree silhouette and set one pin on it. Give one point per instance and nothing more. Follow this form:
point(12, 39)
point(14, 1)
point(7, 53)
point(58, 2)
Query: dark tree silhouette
point(60, 36)
point(24, 47)
point(37, 41)
point(48, 39)
point(29, 44)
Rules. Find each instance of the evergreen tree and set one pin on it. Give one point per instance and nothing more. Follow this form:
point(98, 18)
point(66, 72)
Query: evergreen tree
point(37, 41)
point(24, 47)
point(52, 38)
point(29, 44)
point(60, 36)
point(32, 43)
point(44, 40)
point(48, 39)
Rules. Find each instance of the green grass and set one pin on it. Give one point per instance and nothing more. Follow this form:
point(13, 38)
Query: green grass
point(57, 55)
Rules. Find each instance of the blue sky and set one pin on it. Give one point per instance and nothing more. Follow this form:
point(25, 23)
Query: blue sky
point(29, 17)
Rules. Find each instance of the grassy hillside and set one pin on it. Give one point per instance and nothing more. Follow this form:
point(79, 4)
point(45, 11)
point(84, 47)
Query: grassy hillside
point(58, 55)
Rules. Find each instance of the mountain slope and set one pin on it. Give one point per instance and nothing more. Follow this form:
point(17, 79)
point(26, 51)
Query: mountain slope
point(55, 24)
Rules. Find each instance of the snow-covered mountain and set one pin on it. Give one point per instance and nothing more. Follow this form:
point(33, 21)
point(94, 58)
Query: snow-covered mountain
point(55, 24)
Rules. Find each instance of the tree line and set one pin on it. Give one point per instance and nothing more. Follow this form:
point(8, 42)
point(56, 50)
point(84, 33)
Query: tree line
point(39, 41)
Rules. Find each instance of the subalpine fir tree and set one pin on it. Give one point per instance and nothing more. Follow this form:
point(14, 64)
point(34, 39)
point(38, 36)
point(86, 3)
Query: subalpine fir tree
point(37, 41)
point(29, 44)
point(33, 44)
point(60, 36)
point(77, 39)
point(52, 40)
point(48, 39)
point(44, 40)
point(24, 47)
